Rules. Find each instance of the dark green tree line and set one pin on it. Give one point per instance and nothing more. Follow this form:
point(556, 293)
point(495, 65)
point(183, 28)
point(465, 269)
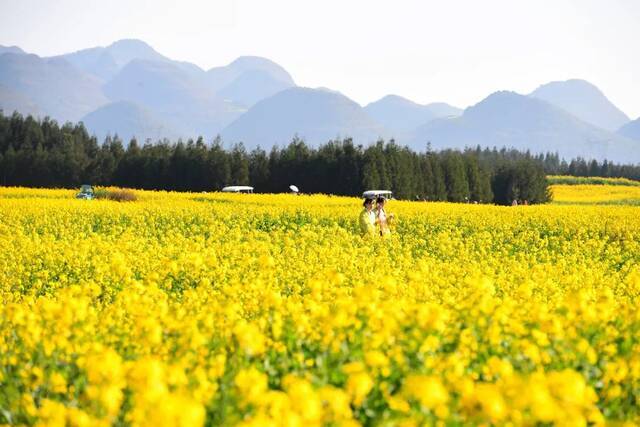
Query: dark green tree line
point(43, 153)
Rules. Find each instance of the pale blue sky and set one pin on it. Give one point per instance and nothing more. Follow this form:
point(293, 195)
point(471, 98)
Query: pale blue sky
point(456, 51)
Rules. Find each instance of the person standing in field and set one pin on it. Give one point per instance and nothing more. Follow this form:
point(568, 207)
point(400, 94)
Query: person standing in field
point(367, 219)
point(381, 217)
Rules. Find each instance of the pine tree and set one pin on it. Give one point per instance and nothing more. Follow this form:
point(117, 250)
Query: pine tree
point(239, 165)
point(473, 177)
point(485, 195)
point(455, 178)
point(179, 167)
point(427, 178)
point(371, 174)
point(384, 171)
point(259, 169)
point(439, 185)
point(219, 167)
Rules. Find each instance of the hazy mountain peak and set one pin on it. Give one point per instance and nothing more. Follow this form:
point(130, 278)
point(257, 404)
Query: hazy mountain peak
point(631, 130)
point(251, 61)
point(327, 89)
point(315, 115)
point(584, 100)
point(220, 77)
point(501, 94)
point(55, 86)
point(316, 95)
point(244, 63)
point(126, 50)
point(252, 86)
point(127, 120)
point(247, 80)
point(11, 49)
point(162, 84)
point(396, 99)
point(170, 91)
point(402, 115)
point(511, 109)
point(130, 44)
point(105, 62)
point(501, 97)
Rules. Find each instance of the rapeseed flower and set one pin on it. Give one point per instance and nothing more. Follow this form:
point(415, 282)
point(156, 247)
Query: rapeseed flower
point(193, 309)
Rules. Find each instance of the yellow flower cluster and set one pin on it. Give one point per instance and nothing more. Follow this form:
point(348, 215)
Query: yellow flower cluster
point(593, 180)
point(267, 310)
point(596, 194)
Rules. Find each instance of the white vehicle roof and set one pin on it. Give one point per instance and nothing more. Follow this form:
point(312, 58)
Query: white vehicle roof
point(369, 194)
point(237, 188)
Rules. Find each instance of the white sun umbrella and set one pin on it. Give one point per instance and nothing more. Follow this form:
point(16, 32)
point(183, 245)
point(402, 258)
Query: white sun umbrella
point(294, 188)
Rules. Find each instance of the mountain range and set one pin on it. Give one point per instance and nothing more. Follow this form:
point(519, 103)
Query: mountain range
point(130, 89)
point(526, 123)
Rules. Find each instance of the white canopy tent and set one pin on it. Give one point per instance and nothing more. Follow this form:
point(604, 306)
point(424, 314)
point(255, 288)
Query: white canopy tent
point(237, 189)
point(372, 194)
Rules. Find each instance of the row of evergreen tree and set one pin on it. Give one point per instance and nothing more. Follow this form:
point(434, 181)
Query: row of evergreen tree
point(553, 165)
point(42, 153)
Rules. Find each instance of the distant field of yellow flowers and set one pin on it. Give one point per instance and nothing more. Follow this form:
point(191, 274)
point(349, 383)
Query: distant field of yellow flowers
point(594, 190)
point(596, 194)
point(594, 180)
point(266, 310)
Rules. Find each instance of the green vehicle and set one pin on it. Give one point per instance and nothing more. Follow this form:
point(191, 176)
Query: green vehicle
point(86, 193)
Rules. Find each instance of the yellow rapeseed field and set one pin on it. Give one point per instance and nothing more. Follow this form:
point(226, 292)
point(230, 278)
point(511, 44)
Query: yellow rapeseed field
point(266, 310)
point(596, 194)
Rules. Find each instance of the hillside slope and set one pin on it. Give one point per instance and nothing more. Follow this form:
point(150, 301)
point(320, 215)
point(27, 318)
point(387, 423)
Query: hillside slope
point(314, 115)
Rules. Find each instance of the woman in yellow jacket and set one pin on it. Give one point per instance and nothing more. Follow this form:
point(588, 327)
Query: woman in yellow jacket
point(367, 219)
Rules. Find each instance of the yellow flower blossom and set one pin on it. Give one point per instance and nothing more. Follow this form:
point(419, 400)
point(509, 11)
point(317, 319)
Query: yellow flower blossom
point(358, 386)
point(428, 390)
